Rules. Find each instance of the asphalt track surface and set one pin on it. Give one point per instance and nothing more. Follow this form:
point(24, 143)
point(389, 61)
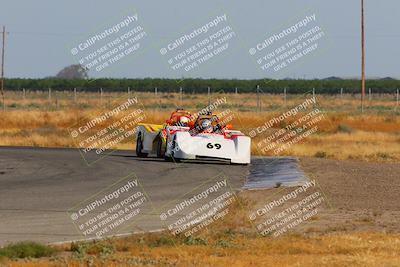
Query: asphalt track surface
point(40, 187)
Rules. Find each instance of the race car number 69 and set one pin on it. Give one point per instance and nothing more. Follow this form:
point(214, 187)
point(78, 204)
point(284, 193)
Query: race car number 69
point(211, 146)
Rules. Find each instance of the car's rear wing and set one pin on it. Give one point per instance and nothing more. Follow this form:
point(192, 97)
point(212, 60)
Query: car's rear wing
point(151, 128)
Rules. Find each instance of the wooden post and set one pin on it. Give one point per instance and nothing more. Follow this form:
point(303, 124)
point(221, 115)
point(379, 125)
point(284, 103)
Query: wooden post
point(56, 100)
point(155, 91)
point(313, 93)
point(129, 90)
point(180, 96)
point(75, 95)
point(101, 95)
point(341, 93)
point(209, 95)
point(369, 94)
point(397, 99)
point(49, 94)
point(284, 95)
point(23, 94)
point(237, 102)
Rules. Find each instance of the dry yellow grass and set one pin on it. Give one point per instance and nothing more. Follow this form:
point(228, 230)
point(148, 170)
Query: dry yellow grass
point(343, 133)
point(362, 249)
point(230, 241)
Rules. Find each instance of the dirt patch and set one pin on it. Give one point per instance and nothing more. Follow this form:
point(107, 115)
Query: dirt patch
point(357, 185)
point(358, 196)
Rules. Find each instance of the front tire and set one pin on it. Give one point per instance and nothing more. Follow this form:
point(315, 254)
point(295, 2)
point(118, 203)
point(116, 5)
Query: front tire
point(139, 147)
point(167, 158)
point(173, 147)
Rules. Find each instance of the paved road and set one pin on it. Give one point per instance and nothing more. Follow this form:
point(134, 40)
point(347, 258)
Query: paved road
point(38, 186)
point(43, 191)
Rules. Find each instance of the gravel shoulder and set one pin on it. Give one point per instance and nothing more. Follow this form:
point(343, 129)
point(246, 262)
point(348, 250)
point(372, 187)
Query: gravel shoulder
point(358, 196)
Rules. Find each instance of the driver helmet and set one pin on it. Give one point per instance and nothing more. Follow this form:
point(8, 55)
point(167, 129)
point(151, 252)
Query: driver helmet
point(206, 126)
point(183, 121)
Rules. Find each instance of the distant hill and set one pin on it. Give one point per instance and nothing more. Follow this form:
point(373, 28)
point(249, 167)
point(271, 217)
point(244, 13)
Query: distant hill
point(332, 78)
point(388, 79)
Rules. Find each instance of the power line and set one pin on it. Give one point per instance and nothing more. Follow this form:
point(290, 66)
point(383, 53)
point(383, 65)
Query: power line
point(47, 33)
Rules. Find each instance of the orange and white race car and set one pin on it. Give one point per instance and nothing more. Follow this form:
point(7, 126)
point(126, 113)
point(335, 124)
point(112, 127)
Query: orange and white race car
point(185, 136)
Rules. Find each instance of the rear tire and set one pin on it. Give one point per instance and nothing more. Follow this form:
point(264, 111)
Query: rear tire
point(139, 147)
point(160, 147)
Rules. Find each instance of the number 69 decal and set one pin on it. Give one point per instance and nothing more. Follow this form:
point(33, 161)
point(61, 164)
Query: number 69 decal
point(216, 145)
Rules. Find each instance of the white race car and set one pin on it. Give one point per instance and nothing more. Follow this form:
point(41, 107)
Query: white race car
point(181, 138)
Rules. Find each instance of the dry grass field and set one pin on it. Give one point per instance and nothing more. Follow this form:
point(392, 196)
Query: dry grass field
point(362, 249)
point(343, 133)
point(229, 241)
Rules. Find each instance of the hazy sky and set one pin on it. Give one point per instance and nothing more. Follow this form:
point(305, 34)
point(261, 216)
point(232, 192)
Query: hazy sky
point(43, 32)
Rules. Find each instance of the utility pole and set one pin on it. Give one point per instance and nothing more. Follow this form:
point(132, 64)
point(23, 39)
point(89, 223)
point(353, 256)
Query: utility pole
point(2, 67)
point(258, 99)
point(362, 57)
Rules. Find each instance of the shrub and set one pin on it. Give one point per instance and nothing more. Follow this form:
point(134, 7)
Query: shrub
point(13, 105)
point(222, 243)
point(33, 105)
point(321, 154)
point(343, 128)
point(383, 155)
point(79, 247)
point(164, 240)
point(194, 241)
point(26, 249)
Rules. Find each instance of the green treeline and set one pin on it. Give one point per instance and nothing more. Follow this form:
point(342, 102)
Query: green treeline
point(200, 85)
